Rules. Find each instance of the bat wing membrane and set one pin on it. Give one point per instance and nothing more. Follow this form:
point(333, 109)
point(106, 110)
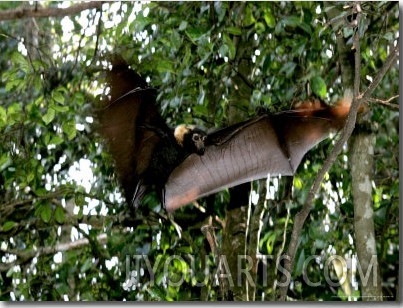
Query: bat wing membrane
point(129, 109)
point(246, 151)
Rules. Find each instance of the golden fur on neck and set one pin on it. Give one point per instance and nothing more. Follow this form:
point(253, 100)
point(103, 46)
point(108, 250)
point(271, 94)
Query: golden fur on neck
point(181, 131)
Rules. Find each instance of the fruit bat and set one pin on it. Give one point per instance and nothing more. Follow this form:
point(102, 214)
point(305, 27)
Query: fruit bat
point(270, 144)
point(184, 164)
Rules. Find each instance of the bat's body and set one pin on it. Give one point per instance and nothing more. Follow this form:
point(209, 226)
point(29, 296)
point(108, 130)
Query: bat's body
point(270, 144)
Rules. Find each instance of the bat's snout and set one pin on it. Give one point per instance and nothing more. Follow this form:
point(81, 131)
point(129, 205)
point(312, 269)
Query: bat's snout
point(200, 149)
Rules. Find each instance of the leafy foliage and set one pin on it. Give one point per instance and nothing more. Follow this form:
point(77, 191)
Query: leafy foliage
point(65, 233)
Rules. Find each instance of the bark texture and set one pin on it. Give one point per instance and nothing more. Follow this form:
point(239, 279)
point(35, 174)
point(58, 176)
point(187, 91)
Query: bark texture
point(362, 173)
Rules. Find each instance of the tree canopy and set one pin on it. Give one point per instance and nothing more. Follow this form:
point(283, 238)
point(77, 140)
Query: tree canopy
point(329, 233)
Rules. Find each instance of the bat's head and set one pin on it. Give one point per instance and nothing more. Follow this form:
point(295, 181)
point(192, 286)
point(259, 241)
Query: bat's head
point(191, 138)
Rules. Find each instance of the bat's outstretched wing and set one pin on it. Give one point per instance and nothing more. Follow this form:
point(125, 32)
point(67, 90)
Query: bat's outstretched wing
point(271, 144)
point(126, 113)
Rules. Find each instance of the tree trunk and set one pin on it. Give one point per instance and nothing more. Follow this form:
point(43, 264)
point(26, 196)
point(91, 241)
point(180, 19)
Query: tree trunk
point(234, 241)
point(362, 149)
point(234, 233)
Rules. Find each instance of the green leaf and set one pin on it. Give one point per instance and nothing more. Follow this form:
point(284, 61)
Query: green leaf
point(269, 18)
point(260, 27)
point(49, 116)
point(183, 25)
point(165, 66)
point(8, 225)
point(266, 64)
point(267, 99)
point(297, 183)
point(59, 108)
point(291, 21)
point(319, 86)
point(3, 114)
point(231, 46)
point(270, 243)
point(55, 139)
point(14, 113)
point(69, 128)
point(45, 212)
point(87, 265)
point(80, 213)
point(142, 20)
point(10, 272)
point(79, 200)
point(14, 109)
point(5, 161)
point(62, 288)
point(79, 98)
point(307, 28)
point(234, 30)
point(223, 50)
point(300, 47)
point(58, 97)
point(157, 293)
point(200, 110)
point(30, 176)
point(299, 266)
point(59, 214)
point(248, 18)
point(200, 98)
point(288, 68)
point(40, 192)
point(194, 33)
point(14, 83)
point(20, 61)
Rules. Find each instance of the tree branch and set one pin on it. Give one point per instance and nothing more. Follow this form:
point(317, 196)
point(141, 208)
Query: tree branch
point(24, 12)
point(393, 56)
point(25, 256)
point(357, 63)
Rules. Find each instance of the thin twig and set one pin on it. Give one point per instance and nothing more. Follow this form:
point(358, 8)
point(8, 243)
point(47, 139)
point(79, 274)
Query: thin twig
point(253, 232)
point(280, 252)
point(385, 102)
